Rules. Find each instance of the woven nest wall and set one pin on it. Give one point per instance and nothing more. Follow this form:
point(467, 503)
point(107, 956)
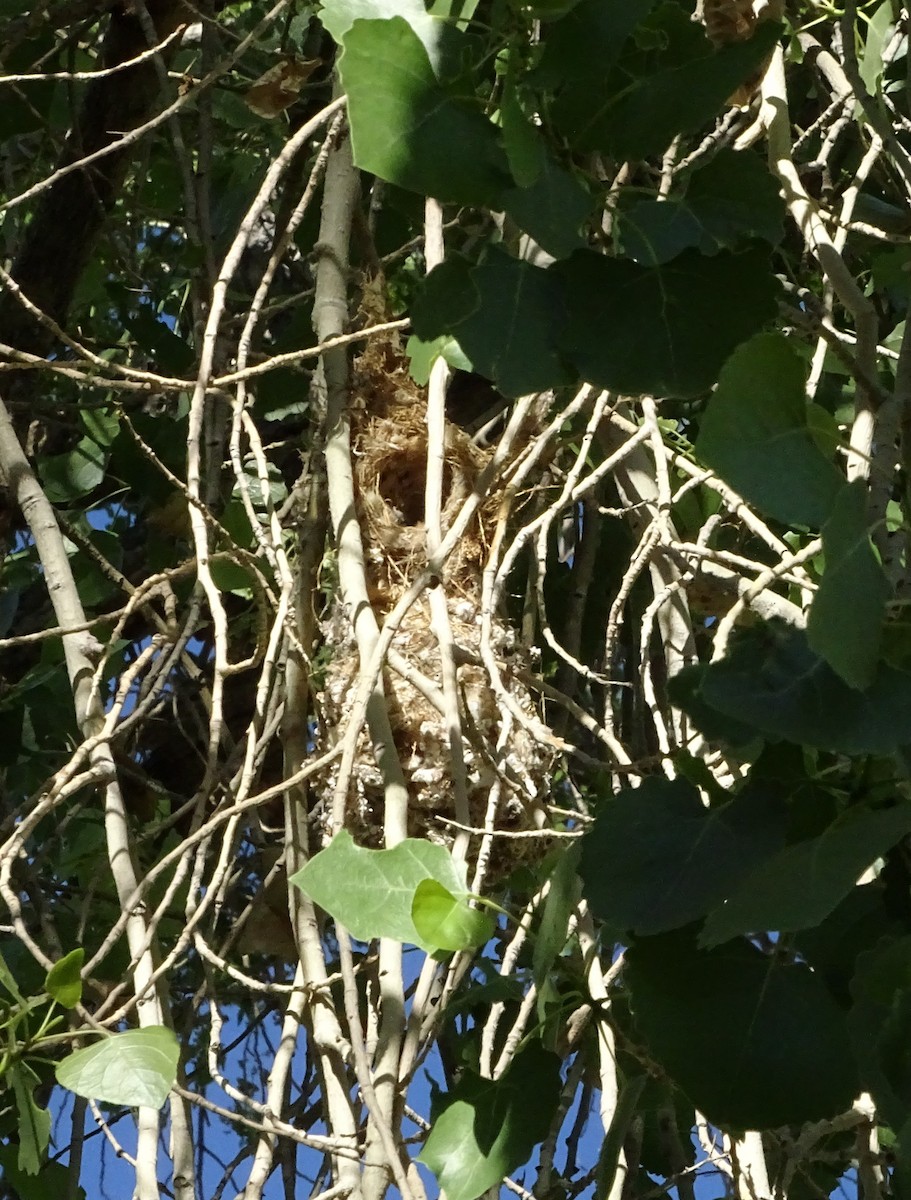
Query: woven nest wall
point(389, 445)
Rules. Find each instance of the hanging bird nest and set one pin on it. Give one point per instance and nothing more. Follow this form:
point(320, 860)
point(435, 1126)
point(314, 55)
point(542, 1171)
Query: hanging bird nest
point(389, 448)
point(391, 477)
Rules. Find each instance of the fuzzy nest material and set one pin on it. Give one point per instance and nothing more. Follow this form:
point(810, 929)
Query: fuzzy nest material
point(389, 444)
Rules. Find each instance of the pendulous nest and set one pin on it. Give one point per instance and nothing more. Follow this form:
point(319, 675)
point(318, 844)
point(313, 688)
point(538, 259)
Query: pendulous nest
point(389, 445)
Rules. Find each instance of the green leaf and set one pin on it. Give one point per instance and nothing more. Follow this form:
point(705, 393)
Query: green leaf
point(551, 210)
point(34, 1121)
point(732, 199)
point(170, 352)
point(422, 356)
point(662, 330)
point(656, 858)
point(755, 1042)
point(7, 981)
point(580, 51)
point(735, 196)
point(755, 435)
point(832, 947)
point(134, 1068)
point(653, 232)
point(101, 424)
point(879, 28)
point(371, 892)
point(846, 619)
point(448, 922)
point(406, 128)
point(339, 15)
point(70, 476)
point(771, 683)
point(802, 884)
point(50, 1183)
point(523, 143)
point(64, 981)
point(880, 1025)
point(456, 12)
point(446, 298)
point(488, 1128)
point(559, 905)
point(232, 578)
point(509, 335)
point(644, 118)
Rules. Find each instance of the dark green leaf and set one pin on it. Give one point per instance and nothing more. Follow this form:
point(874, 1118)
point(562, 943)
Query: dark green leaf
point(657, 858)
point(662, 330)
point(64, 981)
point(551, 210)
point(510, 336)
point(755, 1042)
point(754, 434)
point(133, 1068)
point(644, 119)
point(846, 619)
point(488, 1128)
point(832, 947)
point(170, 352)
point(51, 1182)
point(803, 883)
point(524, 145)
point(773, 683)
point(880, 1024)
point(447, 297)
point(733, 199)
point(655, 231)
point(580, 51)
point(407, 129)
point(735, 196)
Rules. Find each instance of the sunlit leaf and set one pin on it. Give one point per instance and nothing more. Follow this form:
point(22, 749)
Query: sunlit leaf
point(372, 892)
point(447, 922)
point(406, 128)
point(134, 1068)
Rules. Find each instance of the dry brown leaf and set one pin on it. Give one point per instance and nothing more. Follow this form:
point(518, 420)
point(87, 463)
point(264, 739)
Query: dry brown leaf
point(280, 86)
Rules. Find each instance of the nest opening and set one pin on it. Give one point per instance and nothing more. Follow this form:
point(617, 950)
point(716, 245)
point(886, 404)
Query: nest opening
point(402, 482)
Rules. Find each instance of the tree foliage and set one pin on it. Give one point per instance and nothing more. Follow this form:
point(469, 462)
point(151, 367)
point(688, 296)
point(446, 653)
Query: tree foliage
point(455, 680)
